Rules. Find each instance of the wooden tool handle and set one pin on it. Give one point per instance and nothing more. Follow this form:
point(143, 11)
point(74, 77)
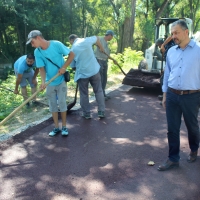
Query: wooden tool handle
point(115, 62)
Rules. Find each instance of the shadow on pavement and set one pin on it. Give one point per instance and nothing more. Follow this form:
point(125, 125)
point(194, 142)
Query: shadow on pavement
point(100, 159)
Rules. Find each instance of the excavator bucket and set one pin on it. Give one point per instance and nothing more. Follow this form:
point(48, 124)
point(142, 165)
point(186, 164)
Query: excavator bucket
point(142, 78)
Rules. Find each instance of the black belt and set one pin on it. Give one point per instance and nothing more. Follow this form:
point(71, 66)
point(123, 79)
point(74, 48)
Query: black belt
point(181, 92)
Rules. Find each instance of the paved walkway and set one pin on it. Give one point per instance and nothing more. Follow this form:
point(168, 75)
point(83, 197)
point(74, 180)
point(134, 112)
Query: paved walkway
point(100, 159)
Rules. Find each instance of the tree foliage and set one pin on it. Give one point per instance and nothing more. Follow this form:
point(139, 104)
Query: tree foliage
point(131, 20)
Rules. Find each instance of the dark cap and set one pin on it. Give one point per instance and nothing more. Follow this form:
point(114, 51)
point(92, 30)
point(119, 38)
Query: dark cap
point(73, 37)
point(33, 34)
point(109, 32)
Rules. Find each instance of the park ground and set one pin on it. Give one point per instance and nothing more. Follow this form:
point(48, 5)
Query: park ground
point(100, 159)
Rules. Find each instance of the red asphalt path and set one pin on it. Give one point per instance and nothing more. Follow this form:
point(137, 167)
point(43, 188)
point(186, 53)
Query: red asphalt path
point(100, 159)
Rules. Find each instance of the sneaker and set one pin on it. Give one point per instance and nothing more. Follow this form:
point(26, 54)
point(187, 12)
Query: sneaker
point(101, 114)
point(64, 131)
point(54, 132)
point(86, 115)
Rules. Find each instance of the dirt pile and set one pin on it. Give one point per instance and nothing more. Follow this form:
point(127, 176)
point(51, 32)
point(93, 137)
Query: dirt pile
point(142, 79)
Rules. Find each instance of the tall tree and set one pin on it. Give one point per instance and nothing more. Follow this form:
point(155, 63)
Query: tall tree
point(133, 24)
point(125, 12)
point(190, 9)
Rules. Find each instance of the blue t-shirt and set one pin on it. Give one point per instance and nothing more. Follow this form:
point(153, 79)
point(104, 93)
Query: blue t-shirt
point(55, 53)
point(85, 62)
point(20, 66)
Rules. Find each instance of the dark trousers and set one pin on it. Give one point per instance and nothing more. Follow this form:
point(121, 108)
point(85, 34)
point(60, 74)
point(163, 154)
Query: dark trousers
point(186, 105)
point(103, 72)
point(83, 85)
point(161, 80)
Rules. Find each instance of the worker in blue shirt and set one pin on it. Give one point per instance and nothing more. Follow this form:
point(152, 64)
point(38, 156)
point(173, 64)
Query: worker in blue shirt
point(25, 75)
point(181, 93)
point(49, 59)
point(87, 71)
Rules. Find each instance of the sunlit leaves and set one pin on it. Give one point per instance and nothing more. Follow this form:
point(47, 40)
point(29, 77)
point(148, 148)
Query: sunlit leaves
point(128, 59)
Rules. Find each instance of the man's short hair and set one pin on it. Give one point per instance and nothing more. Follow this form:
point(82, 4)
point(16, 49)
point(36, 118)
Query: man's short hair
point(73, 37)
point(181, 23)
point(30, 56)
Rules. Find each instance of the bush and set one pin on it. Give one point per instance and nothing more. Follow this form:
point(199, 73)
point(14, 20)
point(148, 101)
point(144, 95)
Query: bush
point(127, 60)
point(9, 100)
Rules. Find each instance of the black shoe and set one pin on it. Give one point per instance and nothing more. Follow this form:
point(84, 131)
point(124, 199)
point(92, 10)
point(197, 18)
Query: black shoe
point(167, 165)
point(35, 103)
point(192, 157)
point(28, 105)
point(106, 97)
point(160, 97)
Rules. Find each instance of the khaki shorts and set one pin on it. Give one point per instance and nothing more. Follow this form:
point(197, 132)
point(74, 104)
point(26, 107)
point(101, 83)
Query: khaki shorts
point(27, 78)
point(57, 97)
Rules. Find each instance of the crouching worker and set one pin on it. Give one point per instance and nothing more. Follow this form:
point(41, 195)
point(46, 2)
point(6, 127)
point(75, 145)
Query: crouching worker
point(25, 75)
point(50, 61)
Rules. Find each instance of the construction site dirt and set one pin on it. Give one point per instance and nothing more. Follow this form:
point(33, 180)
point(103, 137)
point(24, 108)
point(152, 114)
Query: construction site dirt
point(143, 78)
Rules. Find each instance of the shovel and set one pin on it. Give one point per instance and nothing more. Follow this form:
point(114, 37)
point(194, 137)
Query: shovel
point(72, 104)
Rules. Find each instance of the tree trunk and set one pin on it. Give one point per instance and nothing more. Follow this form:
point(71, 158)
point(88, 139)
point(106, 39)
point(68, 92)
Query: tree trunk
point(126, 30)
point(19, 36)
point(162, 8)
point(194, 6)
point(126, 38)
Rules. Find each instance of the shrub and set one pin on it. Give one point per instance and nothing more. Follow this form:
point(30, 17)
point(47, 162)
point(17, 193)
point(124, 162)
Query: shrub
point(127, 60)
